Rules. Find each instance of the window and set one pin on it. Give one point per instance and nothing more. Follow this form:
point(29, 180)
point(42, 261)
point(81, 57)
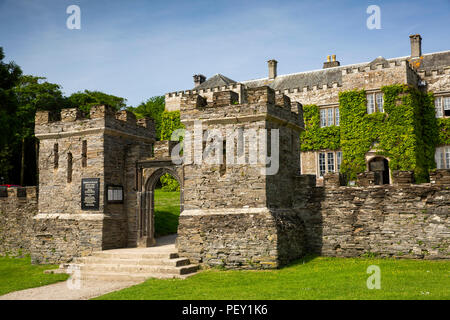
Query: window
point(329, 117)
point(329, 161)
point(438, 107)
point(339, 160)
point(84, 154)
point(447, 106)
point(375, 102)
point(55, 156)
point(442, 107)
point(69, 167)
point(321, 164)
point(323, 119)
point(442, 157)
point(380, 102)
point(370, 104)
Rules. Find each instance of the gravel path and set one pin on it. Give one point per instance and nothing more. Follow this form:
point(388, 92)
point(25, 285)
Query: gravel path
point(62, 291)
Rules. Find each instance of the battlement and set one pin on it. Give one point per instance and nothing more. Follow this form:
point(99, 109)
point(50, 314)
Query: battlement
point(260, 101)
point(434, 72)
point(18, 193)
point(231, 87)
point(101, 117)
point(377, 66)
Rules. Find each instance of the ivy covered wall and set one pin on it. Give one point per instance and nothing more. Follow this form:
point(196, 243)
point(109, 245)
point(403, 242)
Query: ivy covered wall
point(406, 133)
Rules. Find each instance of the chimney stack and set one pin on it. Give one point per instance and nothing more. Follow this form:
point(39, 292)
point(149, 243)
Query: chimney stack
point(272, 68)
point(416, 45)
point(199, 79)
point(331, 62)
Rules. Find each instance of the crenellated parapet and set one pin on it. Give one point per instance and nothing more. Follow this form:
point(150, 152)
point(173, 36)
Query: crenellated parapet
point(72, 120)
point(260, 103)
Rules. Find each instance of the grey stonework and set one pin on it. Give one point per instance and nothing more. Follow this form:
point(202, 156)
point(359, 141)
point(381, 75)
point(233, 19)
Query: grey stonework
point(16, 220)
point(232, 215)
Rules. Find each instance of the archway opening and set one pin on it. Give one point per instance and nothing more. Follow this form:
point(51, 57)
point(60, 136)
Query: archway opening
point(167, 205)
point(161, 205)
point(380, 166)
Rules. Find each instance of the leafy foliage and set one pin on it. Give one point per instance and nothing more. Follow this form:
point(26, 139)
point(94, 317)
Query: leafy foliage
point(170, 121)
point(315, 137)
point(169, 183)
point(87, 99)
point(405, 133)
point(152, 108)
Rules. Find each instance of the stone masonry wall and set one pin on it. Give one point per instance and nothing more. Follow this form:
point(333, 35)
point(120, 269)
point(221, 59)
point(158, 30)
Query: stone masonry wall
point(17, 209)
point(403, 221)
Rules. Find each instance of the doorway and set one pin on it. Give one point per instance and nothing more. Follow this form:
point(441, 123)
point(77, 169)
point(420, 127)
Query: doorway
point(380, 166)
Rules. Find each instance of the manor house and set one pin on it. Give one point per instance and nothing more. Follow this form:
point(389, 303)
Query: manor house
point(428, 72)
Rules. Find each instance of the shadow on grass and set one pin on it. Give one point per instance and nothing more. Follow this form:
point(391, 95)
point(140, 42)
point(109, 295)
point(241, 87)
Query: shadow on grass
point(166, 222)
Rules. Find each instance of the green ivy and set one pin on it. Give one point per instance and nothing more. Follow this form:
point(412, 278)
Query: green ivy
point(406, 133)
point(443, 125)
point(315, 137)
point(170, 121)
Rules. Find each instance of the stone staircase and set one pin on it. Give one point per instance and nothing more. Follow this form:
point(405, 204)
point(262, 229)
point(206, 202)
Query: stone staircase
point(132, 264)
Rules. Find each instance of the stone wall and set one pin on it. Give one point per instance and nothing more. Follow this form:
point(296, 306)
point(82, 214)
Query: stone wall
point(17, 209)
point(235, 215)
point(403, 221)
point(73, 147)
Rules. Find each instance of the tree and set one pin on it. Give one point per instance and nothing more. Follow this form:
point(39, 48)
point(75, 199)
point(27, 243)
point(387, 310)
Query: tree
point(32, 94)
point(87, 99)
point(152, 108)
point(9, 76)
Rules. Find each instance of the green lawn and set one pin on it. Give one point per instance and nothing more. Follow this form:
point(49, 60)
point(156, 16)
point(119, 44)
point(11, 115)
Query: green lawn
point(316, 278)
point(19, 273)
point(167, 212)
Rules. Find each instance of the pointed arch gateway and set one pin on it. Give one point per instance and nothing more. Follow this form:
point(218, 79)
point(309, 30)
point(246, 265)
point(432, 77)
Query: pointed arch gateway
point(149, 173)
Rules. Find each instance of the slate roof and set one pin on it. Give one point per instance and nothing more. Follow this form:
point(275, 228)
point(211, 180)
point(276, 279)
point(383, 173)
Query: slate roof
point(430, 61)
point(215, 81)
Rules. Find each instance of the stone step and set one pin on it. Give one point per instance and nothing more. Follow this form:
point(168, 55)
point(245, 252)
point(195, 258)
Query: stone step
point(134, 269)
point(136, 255)
point(176, 262)
point(124, 276)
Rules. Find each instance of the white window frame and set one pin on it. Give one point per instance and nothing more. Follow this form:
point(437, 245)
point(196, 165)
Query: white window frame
point(375, 102)
point(334, 166)
point(337, 116)
point(323, 118)
point(329, 116)
point(442, 157)
point(442, 104)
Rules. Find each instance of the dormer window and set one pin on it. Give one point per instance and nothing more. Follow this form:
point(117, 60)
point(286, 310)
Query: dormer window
point(375, 102)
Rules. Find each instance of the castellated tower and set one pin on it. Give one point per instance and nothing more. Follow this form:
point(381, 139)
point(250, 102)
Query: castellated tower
point(241, 214)
point(87, 174)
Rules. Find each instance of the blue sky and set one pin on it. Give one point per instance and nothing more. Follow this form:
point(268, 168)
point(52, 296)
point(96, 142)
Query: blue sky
point(138, 49)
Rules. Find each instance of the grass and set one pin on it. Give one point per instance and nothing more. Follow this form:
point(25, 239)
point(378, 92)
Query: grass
point(167, 212)
point(19, 273)
point(314, 278)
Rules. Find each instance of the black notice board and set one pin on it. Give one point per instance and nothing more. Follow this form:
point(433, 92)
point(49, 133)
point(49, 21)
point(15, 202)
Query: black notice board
point(90, 193)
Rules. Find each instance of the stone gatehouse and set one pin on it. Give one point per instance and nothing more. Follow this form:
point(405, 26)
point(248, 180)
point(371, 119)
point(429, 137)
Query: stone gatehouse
point(97, 175)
